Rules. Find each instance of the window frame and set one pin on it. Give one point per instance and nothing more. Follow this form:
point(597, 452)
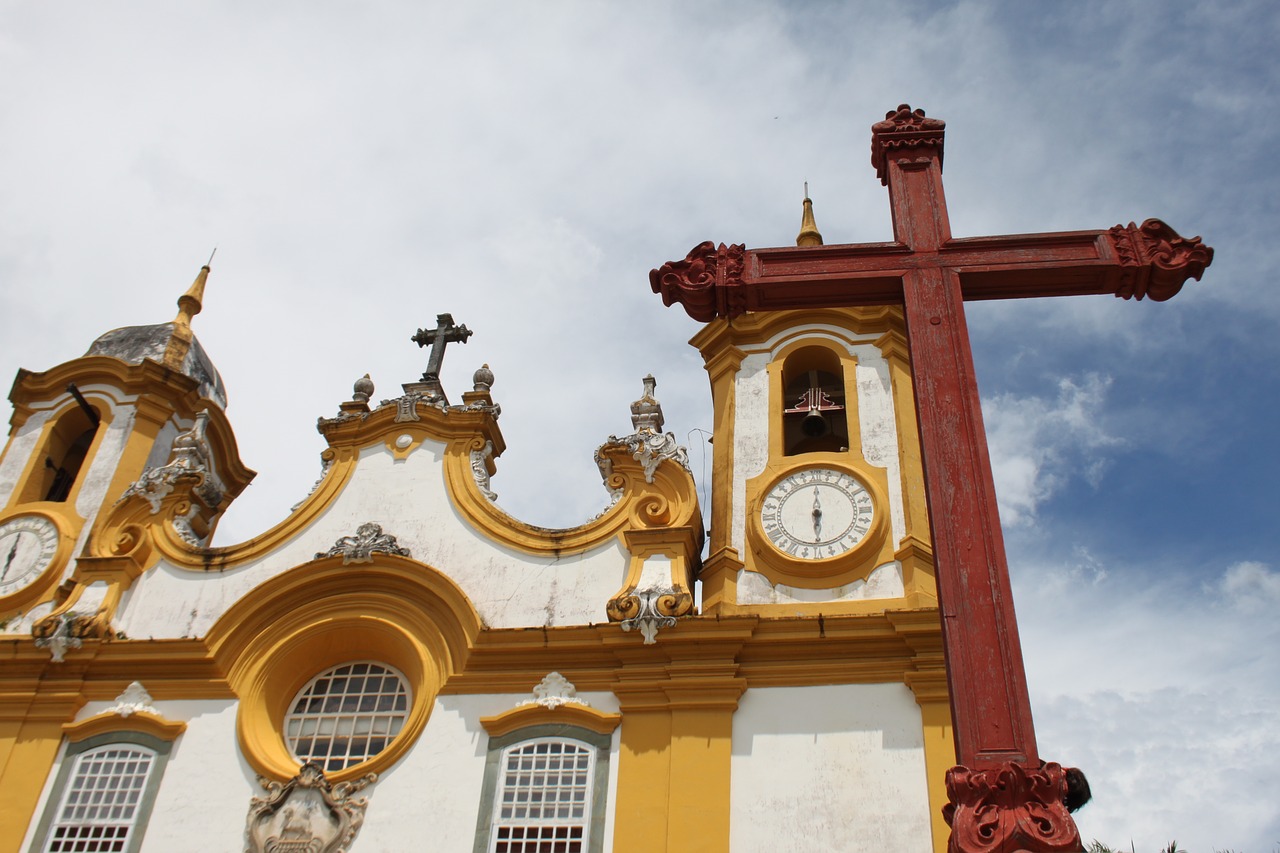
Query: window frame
point(598, 786)
point(330, 672)
point(160, 750)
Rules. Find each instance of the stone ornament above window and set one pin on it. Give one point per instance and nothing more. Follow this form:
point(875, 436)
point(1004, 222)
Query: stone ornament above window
point(553, 691)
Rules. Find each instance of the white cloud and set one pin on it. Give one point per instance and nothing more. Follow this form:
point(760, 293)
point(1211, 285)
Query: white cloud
point(1251, 587)
point(1038, 444)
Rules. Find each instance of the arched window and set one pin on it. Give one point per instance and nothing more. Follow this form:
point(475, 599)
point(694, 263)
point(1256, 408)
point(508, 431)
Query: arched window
point(813, 412)
point(63, 455)
point(103, 794)
point(544, 791)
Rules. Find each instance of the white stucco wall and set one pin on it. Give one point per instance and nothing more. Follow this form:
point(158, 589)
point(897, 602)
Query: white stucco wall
point(828, 768)
point(410, 500)
point(430, 799)
point(434, 793)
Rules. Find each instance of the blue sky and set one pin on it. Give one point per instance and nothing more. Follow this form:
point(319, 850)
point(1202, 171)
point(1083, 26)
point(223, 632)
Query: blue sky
point(362, 168)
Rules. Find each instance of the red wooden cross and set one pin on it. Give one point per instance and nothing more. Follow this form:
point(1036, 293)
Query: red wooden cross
point(931, 274)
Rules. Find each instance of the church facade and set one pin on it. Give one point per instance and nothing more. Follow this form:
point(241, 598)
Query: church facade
point(400, 663)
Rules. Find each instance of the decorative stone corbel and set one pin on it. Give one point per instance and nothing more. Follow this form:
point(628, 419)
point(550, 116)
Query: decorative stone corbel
point(659, 584)
point(369, 540)
point(306, 814)
point(649, 605)
point(56, 632)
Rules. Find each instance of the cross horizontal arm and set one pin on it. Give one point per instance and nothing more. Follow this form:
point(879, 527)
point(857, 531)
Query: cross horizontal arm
point(1131, 261)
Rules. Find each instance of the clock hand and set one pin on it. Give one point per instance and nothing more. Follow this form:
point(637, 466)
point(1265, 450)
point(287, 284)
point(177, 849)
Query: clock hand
point(817, 516)
point(12, 552)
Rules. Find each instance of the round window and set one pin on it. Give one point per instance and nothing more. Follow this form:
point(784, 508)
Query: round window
point(347, 714)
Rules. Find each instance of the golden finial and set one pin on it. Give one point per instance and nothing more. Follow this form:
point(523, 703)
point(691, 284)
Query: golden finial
point(189, 305)
point(809, 235)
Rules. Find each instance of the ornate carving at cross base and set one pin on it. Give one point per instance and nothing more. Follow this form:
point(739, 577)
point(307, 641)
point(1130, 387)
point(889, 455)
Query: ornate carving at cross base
point(306, 814)
point(703, 282)
point(1009, 809)
point(369, 540)
point(1155, 261)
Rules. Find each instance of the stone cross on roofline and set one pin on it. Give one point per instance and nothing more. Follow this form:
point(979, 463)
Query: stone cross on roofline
point(438, 338)
point(1002, 797)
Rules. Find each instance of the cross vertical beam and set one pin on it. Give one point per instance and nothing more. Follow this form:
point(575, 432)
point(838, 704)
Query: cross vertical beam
point(991, 709)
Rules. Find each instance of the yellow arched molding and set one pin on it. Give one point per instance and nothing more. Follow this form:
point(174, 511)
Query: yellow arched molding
point(395, 611)
point(569, 714)
point(670, 500)
point(110, 721)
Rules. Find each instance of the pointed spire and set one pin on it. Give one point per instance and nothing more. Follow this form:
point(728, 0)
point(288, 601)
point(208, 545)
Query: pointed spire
point(809, 235)
point(189, 305)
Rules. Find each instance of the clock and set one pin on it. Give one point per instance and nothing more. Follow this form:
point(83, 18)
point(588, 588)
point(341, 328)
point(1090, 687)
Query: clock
point(28, 545)
point(817, 513)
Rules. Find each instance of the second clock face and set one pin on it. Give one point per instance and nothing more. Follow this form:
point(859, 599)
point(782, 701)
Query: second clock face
point(27, 547)
point(817, 513)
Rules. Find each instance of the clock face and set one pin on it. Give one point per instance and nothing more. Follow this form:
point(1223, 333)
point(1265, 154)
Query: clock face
point(27, 547)
point(817, 513)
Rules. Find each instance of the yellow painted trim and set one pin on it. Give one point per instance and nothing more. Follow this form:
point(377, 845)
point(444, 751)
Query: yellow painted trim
point(402, 613)
point(669, 501)
point(569, 714)
point(138, 721)
point(930, 690)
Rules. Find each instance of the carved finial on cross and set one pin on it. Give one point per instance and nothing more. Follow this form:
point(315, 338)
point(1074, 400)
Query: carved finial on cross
point(444, 333)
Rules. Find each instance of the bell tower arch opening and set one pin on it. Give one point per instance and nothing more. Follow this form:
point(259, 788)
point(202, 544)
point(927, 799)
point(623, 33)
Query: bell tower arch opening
point(813, 412)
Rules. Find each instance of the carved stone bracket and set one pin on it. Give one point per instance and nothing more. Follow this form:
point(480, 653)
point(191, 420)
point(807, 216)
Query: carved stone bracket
point(705, 282)
point(57, 633)
point(1155, 261)
point(306, 814)
point(648, 610)
point(904, 128)
point(1009, 809)
point(553, 691)
point(369, 540)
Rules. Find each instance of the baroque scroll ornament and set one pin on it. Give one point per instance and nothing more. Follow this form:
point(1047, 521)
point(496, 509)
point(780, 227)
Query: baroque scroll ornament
point(1155, 261)
point(190, 459)
point(705, 282)
point(306, 814)
point(369, 540)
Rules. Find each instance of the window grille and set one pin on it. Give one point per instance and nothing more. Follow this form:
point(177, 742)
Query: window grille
point(99, 809)
point(544, 797)
point(347, 714)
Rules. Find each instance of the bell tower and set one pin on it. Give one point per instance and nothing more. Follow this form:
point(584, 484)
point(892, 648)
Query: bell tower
point(141, 400)
point(817, 505)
